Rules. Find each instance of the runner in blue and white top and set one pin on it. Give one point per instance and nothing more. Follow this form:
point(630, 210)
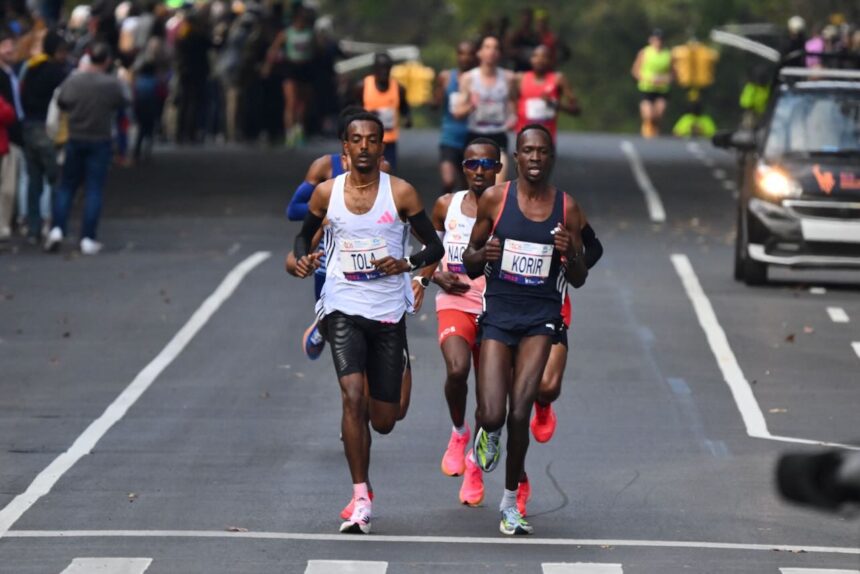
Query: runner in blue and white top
point(452, 138)
point(366, 293)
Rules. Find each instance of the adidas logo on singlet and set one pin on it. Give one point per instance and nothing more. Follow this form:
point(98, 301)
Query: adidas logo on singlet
point(386, 218)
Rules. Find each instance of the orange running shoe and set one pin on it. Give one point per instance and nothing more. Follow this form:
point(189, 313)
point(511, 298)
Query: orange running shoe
point(524, 493)
point(543, 423)
point(349, 508)
point(472, 489)
point(454, 459)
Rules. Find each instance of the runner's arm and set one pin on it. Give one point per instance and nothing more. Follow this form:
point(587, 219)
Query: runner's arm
point(567, 101)
point(635, 71)
point(405, 109)
point(317, 173)
point(464, 107)
point(576, 271)
point(593, 246)
point(481, 249)
point(301, 261)
point(439, 89)
point(440, 208)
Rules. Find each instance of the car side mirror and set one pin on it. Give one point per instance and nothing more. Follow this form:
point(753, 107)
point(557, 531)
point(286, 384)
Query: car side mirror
point(741, 140)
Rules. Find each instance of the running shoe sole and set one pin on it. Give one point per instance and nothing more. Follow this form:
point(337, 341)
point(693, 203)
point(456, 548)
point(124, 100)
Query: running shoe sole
point(486, 466)
point(517, 531)
point(355, 528)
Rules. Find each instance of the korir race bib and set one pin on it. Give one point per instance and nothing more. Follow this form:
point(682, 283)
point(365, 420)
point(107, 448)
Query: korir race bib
point(356, 256)
point(537, 110)
point(490, 113)
point(455, 245)
point(525, 263)
point(388, 118)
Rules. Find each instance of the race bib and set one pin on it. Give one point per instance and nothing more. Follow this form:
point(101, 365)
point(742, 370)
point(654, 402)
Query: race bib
point(490, 113)
point(356, 256)
point(455, 100)
point(388, 117)
point(537, 110)
point(525, 263)
point(455, 245)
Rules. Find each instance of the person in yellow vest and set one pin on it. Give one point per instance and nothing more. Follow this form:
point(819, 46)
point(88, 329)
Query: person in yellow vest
point(653, 72)
point(754, 97)
point(695, 123)
point(383, 96)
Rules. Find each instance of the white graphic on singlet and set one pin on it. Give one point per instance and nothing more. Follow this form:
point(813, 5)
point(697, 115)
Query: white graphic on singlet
point(525, 263)
point(357, 255)
point(489, 113)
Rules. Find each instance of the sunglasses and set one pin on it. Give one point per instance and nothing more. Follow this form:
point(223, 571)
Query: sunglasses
point(486, 163)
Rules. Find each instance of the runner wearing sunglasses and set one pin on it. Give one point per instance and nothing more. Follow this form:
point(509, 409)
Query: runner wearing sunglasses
point(458, 305)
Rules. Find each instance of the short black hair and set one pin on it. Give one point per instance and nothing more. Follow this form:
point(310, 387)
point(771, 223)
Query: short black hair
point(344, 116)
point(52, 43)
point(483, 38)
point(540, 128)
point(487, 142)
point(382, 59)
point(364, 116)
point(99, 53)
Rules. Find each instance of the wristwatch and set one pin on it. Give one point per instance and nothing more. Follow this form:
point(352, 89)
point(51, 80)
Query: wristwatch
point(422, 280)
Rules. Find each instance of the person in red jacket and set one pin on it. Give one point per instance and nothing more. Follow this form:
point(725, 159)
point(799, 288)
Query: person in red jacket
point(7, 117)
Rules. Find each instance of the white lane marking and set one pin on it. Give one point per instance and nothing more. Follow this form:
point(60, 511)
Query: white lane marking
point(856, 347)
point(581, 568)
point(837, 314)
point(729, 185)
point(751, 412)
point(108, 566)
point(652, 198)
point(506, 541)
point(817, 291)
point(709, 162)
point(816, 571)
point(345, 567)
point(719, 174)
point(84, 444)
point(694, 148)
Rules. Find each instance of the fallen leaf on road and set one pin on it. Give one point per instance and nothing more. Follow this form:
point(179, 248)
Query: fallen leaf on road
point(236, 529)
point(66, 335)
point(789, 338)
point(132, 496)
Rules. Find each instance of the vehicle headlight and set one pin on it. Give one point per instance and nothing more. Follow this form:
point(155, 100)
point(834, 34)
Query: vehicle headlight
point(775, 183)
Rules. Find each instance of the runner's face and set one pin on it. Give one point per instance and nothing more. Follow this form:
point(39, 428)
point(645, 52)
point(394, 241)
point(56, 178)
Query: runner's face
point(363, 145)
point(465, 56)
point(480, 179)
point(540, 60)
point(534, 156)
point(489, 53)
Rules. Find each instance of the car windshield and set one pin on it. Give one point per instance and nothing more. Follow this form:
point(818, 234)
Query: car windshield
point(815, 123)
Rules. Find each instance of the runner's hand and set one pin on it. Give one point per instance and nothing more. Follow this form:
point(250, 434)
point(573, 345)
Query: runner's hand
point(492, 249)
point(308, 264)
point(391, 266)
point(563, 241)
point(450, 283)
point(417, 295)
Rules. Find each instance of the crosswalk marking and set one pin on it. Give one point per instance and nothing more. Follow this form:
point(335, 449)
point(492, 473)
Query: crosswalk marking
point(108, 566)
point(856, 346)
point(837, 314)
point(345, 567)
point(816, 571)
point(581, 568)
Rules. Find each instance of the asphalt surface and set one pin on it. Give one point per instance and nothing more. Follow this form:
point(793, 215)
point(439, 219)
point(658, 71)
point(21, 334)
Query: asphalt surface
point(229, 461)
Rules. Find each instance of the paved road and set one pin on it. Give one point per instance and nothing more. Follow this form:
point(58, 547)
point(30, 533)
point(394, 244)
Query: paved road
point(220, 450)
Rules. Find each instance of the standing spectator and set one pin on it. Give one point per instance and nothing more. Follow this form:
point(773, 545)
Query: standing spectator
point(40, 76)
point(328, 51)
point(229, 68)
point(91, 99)
point(10, 166)
point(192, 68)
point(521, 41)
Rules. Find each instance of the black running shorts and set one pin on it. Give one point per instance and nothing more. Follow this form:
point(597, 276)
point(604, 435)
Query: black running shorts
point(361, 345)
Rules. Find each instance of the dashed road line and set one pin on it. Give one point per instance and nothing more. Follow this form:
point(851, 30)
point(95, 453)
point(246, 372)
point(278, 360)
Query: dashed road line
point(729, 185)
point(652, 199)
point(817, 291)
point(837, 314)
point(346, 567)
point(469, 540)
point(108, 566)
point(581, 568)
point(751, 413)
point(84, 444)
point(856, 346)
point(816, 571)
point(719, 174)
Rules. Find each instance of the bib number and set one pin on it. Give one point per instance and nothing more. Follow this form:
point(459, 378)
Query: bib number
point(525, 263)
point(455, 100)
point(388, 117)
point(454, 249)
point(356, 256)
point(537, 110)
point(490, 113)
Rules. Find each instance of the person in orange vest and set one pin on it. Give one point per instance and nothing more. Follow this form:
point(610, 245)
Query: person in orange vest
point(542, 93)
point(383, 96)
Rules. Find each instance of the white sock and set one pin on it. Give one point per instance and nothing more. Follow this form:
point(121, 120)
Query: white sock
point(509, 499)
point(460, 430)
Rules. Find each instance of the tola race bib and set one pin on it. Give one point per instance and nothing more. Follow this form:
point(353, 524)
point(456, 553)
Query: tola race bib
point(356, 256)
point(525, 263)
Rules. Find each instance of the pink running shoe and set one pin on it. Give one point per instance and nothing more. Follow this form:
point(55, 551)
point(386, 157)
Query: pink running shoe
point(454, 459)
point(472, 490)
point(349, 508)
point(524, 493)
point(543, 423)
